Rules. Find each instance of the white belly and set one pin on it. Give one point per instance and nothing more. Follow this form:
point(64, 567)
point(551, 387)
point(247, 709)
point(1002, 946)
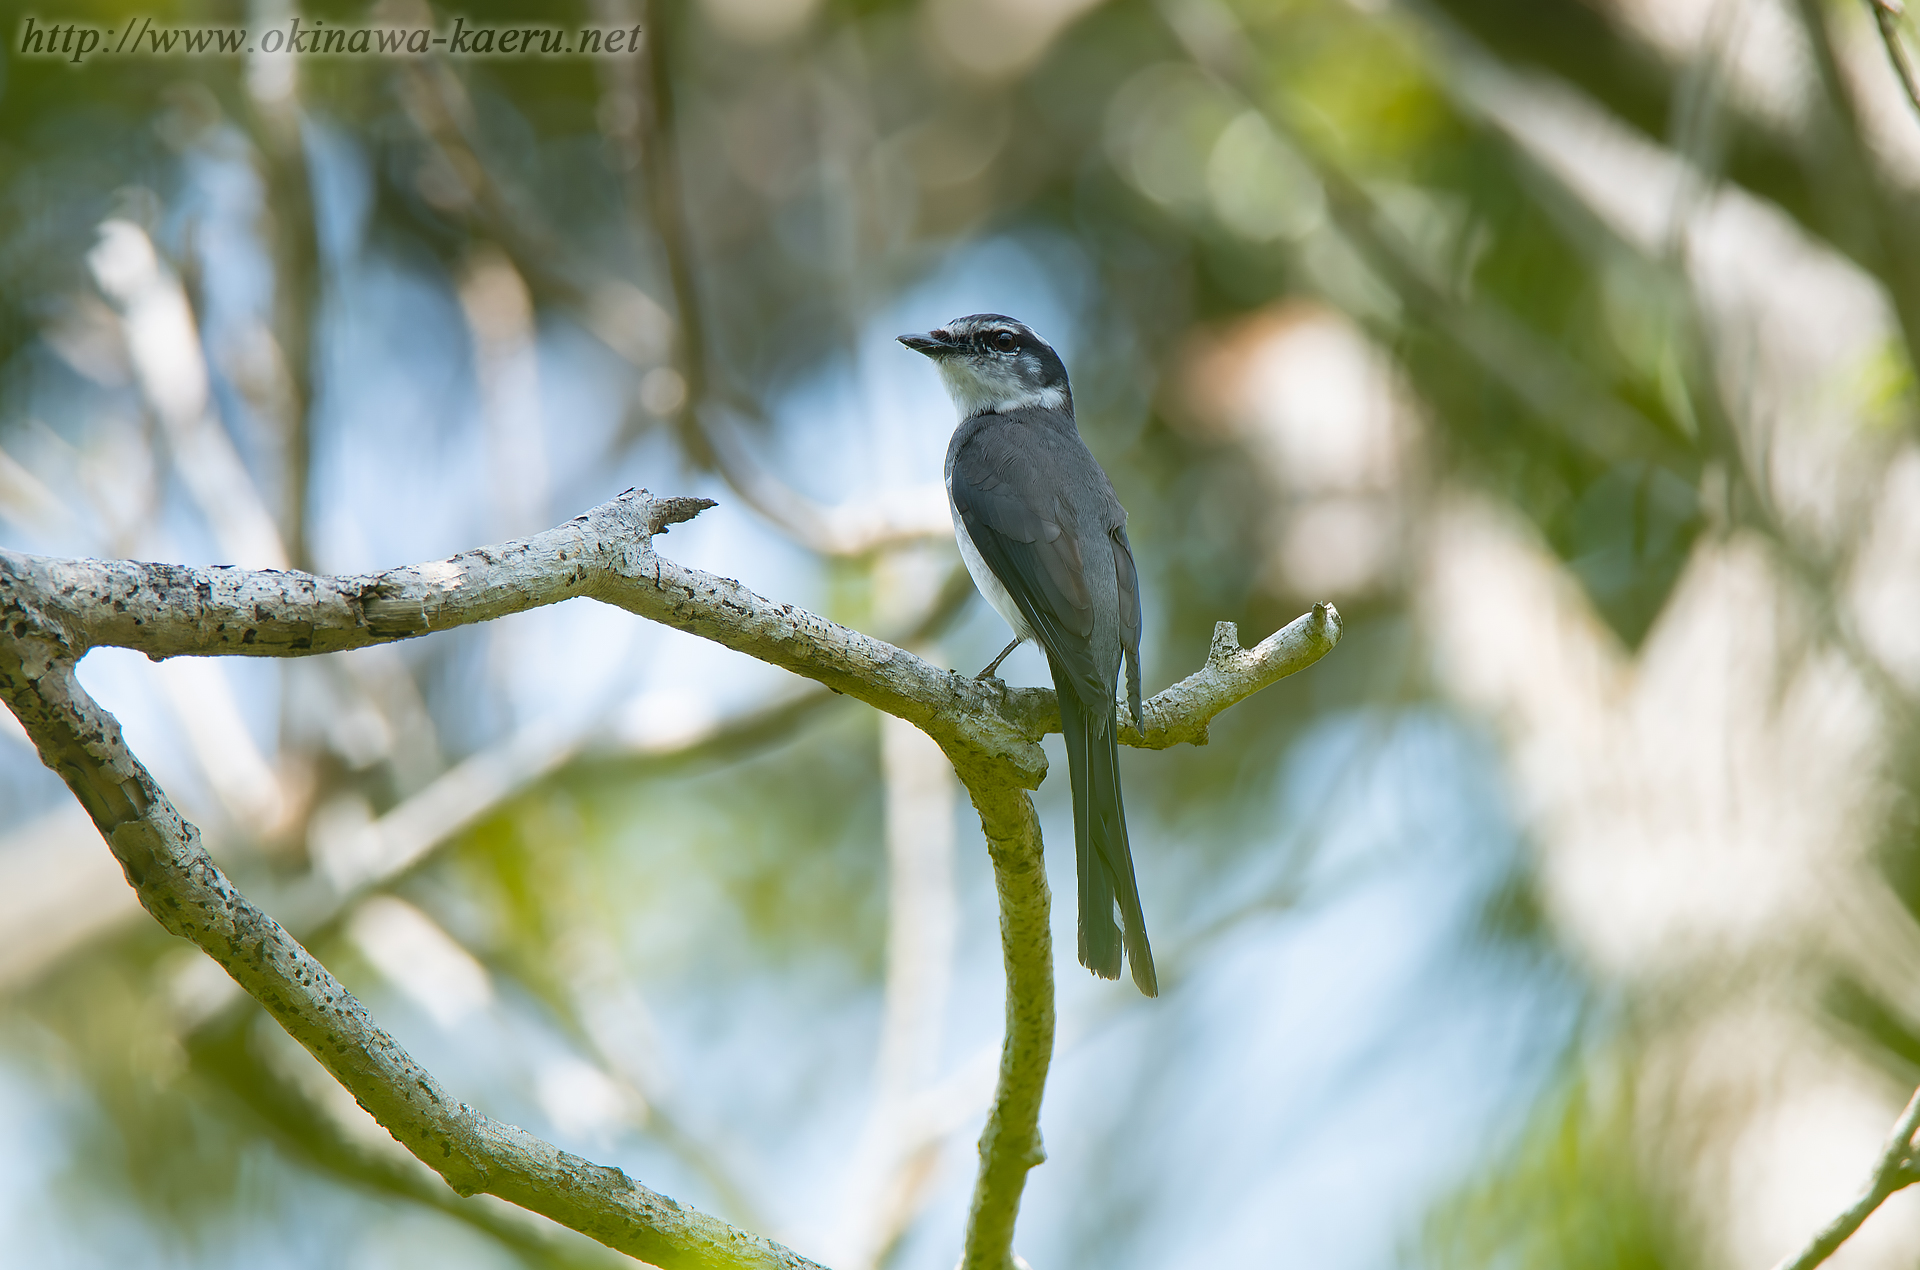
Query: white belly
point(983, 578)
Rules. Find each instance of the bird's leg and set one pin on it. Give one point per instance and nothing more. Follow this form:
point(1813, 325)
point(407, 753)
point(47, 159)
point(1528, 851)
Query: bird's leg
point(995, 663)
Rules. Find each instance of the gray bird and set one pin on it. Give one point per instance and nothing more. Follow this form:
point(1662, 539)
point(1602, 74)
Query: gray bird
point(1046, 542)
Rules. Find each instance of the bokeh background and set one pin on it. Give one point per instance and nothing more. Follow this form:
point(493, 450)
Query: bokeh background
point(1563, 916)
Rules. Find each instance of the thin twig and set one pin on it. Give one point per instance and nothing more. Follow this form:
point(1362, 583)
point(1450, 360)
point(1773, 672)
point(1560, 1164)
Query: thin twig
point(1887, 15)
point(656, 192)
point(1861, 176)
point(1895, 1170)
point(660, 160)
point(279, 139)
point(704, 436)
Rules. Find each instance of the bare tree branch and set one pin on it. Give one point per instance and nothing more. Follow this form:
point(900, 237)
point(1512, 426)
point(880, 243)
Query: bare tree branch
point(163, 338)
point(53, 610)
point(172, 610)
point(1180, 714)
point(1887, 15)
point(64, 900)
point(185, 891)
point(1898, 1168)
point(1010, 1144)
point(276, 125)
point(1860, 176)
point(660, 160)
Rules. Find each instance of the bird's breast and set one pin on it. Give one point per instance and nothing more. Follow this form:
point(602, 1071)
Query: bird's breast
point(983, 577)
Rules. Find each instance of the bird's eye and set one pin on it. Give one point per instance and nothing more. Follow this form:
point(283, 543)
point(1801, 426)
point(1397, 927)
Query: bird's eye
point(1004, 341)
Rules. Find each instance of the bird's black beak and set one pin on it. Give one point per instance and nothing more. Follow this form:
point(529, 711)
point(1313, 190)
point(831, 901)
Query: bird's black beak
point(933, 343)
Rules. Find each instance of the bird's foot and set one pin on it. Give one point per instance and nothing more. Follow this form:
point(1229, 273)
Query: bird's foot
point(995, 663)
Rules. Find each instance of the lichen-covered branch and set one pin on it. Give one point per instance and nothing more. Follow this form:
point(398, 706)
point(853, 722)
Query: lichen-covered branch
point(607, 554)
point(186, 892)
point(1010, 1144)
point(53, 610)
point(1180, 714)
point(1898, 1168)
point(167, 610)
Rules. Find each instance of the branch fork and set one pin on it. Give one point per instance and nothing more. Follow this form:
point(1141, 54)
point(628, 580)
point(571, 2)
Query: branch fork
point(52, 611)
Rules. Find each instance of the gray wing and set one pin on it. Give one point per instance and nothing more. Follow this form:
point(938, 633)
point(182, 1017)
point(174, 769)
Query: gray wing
point(1006, 480)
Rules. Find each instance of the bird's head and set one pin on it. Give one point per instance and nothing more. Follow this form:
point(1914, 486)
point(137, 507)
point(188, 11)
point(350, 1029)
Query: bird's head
point(993, 364)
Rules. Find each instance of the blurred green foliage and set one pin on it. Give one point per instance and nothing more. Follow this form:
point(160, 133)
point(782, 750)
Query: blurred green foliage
point(1575, 1192)
point(1201, 164)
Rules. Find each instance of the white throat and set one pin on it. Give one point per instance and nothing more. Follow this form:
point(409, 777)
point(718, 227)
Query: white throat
point(990, 388)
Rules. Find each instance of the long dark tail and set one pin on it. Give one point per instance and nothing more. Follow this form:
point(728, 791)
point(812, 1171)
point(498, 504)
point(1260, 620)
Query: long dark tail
point(1100, 844)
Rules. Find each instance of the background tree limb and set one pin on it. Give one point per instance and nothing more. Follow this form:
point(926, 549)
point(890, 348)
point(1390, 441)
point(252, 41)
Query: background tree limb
point(1895, 1171)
